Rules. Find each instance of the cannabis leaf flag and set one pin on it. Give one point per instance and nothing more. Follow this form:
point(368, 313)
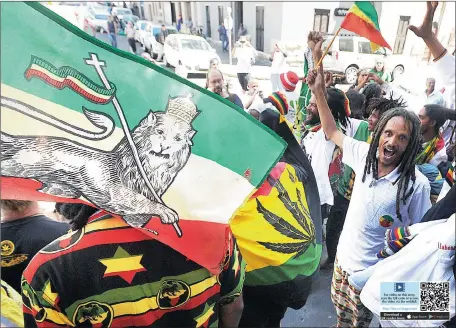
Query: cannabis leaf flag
point(287, 245)
point(84, 122)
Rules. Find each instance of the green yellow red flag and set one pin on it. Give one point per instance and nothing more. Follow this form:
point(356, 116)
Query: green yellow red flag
point(362, 19)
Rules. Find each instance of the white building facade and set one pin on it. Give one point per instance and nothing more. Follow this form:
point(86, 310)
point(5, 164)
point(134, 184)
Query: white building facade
point(270, 22)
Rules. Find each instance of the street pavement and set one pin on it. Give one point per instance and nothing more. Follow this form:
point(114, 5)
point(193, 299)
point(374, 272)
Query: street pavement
point(319, 310)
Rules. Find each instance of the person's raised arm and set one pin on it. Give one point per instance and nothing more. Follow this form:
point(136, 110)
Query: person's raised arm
point(425, 31)
point(316, 83)
point(314, 42)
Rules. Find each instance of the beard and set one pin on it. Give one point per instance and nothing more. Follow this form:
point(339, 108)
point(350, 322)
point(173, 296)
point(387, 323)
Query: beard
point(312, 120)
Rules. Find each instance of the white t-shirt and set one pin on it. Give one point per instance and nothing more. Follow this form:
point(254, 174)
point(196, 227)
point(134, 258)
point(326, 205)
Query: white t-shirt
point(373, 203)
point(278, 61)
point(244, 57)
point(320, 152)
point(256, 104)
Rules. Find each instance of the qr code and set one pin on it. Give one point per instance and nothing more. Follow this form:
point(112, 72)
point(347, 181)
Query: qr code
point(435, 296)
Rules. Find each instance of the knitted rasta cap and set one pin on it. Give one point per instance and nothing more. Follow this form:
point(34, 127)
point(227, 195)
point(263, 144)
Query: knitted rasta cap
point(279, 101)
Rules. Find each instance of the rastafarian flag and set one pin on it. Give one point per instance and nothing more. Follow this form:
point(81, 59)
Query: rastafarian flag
point(84, 122)
point(69, 77)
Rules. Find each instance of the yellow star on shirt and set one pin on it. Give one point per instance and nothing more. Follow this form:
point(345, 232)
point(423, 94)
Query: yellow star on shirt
point(123, 264)
point(48, 295)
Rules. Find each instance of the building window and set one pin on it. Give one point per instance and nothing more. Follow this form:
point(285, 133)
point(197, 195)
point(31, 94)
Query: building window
point(401, 35)
point(321, 20)
point(220, 14)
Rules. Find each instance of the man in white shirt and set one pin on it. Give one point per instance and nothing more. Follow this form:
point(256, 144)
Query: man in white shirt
point(253, 98)
point(388, 192)
point(245, 54)
point(432, 96)
point(277, 67)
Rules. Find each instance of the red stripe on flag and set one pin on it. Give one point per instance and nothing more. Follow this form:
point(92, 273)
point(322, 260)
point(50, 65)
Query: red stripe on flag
point(207, 239)
point(361, 27)
point(266, 188)
point(194, 243)
point(66, 83)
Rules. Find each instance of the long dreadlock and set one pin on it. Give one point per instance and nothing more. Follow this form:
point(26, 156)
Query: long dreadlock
point(336, 102)
point(372, 90)
point(407, 165)
point(382, 105)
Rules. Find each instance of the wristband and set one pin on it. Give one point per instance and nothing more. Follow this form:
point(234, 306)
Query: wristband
point(440, 56)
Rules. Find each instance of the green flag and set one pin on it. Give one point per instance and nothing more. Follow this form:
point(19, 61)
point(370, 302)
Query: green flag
point(84, 122)
point(304, 96)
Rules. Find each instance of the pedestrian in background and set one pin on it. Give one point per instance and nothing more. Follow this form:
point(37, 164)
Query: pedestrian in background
point(277, 67)
point(180, 21)
point(245, 54)
point(112, 32)
point(361, 80)
point(223, 36)
point(130, 31)
point(380, 71)
point(189, 25)
point(216, 83)
point(242, 30)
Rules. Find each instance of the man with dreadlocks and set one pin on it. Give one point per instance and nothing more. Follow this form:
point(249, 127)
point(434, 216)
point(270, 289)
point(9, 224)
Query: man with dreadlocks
point(377, 107)
point(318, 148)
point(388, 192)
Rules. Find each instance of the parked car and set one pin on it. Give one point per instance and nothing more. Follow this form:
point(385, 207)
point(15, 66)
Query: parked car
point(192, 52)
point(120, 12)
point(348, 54)
point(99, 18)
point(151, 42)
point(130, 18)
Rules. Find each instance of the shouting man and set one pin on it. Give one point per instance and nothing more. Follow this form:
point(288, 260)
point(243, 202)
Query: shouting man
point(388, 192)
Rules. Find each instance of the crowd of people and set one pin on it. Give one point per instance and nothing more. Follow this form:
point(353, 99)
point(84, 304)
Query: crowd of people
point(395, 182)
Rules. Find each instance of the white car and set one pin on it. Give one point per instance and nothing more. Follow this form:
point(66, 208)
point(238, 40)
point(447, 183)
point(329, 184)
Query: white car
point(348, 54)
point(189, 51)
point(119, 12)
point(99, 18)
point(151, 39)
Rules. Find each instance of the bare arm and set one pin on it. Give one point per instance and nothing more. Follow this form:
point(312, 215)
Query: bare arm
point(425, 30)
point(230, 314)
point(316, 83)
point(314, 42)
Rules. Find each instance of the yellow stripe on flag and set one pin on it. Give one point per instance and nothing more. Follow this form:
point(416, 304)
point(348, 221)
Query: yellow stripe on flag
point(356, 11)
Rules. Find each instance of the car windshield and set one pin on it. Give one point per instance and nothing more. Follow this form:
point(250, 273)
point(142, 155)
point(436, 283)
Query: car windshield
point(103, 17)
point(191, 44)
point(124, 12)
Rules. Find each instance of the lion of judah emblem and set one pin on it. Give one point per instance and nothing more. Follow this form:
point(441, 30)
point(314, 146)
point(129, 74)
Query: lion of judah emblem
point(111, 180)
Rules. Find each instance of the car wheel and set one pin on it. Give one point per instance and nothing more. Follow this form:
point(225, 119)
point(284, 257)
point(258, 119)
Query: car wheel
point(351, 74)
point(397, 71)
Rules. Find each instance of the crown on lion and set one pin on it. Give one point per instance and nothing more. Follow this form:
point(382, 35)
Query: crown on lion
point(182, 108)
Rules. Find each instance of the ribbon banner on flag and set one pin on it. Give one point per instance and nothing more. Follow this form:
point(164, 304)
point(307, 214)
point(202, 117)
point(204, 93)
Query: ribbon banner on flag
point(84, 122)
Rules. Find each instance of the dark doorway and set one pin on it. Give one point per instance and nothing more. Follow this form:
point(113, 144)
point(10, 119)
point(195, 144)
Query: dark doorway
point(208, 22)
point(260, 28)
point(238, 16)
point(173, 13)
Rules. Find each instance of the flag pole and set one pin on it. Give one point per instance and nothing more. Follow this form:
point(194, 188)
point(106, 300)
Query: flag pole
point(327, 49)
